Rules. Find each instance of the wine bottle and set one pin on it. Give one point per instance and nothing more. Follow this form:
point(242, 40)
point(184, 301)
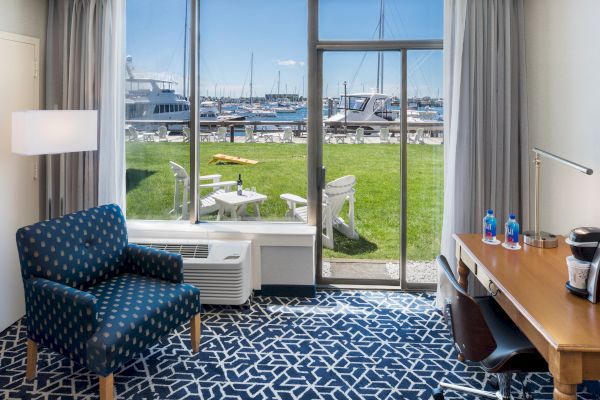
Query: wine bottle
point(239, 185)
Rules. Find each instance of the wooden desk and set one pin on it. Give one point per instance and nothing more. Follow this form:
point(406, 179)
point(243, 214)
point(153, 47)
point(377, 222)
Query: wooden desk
point(531, 289)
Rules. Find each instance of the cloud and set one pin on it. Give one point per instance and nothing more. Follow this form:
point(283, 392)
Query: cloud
point(290, 63)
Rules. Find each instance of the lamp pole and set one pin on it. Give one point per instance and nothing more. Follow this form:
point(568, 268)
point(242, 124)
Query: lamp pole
point(537, 237)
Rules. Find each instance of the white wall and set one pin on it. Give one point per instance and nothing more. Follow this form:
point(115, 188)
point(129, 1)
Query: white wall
point(563, 72)
point(19, 194)
point(27, 17)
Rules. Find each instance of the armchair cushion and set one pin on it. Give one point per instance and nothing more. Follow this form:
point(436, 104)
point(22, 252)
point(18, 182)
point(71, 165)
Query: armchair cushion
point(153, 263)
point(134, 311)
point(77, 250)
point(61, 317)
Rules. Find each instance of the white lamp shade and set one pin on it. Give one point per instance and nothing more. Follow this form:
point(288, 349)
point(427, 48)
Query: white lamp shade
point(39, 132)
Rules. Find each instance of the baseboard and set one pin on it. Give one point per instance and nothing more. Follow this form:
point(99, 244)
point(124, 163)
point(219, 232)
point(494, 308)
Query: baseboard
point(287, 291)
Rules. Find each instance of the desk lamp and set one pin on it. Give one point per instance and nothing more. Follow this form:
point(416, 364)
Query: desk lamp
point(538, 238)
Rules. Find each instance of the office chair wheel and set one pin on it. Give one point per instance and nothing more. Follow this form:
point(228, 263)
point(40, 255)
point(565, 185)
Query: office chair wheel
point(438, 394)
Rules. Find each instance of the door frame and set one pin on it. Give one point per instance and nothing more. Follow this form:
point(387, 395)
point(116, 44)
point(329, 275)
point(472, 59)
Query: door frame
point(316, 173)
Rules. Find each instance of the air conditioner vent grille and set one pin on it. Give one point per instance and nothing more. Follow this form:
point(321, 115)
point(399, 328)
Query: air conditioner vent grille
point(186, 250)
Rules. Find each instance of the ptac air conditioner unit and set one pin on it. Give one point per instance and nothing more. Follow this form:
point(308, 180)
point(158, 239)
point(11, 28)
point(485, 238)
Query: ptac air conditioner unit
point(221, 269)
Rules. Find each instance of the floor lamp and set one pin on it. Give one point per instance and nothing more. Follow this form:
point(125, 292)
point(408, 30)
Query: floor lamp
point(47, 132)
point(537, 237)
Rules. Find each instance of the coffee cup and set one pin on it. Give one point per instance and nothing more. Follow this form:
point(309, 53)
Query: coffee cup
point(578, 272)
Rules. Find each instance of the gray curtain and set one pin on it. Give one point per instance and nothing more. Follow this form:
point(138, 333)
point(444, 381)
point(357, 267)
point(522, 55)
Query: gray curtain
point(486, 149)
point(74, 51)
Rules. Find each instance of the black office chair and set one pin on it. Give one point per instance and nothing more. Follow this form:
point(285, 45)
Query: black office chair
point(482, 332)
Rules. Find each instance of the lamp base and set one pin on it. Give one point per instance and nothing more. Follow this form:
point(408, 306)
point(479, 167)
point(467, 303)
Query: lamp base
point(543, 240)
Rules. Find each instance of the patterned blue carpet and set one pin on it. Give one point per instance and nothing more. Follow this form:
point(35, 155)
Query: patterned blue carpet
point(339, 345)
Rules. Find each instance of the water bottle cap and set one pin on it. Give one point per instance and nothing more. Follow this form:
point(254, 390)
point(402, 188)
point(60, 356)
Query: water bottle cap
point(512, 216)
point(490, 211)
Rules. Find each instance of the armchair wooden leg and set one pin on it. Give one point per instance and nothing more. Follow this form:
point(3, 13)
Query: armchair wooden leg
point(32, 352)
point(106, 387)
point(195, 332)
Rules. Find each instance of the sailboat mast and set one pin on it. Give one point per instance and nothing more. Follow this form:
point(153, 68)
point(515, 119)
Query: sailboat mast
point(278, 83)
point(251, 75)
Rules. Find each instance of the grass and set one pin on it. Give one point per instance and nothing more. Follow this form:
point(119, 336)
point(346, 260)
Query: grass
point(282, 169)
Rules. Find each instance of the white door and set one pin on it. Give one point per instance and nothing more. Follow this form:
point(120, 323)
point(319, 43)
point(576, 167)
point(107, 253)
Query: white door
point(19, 194)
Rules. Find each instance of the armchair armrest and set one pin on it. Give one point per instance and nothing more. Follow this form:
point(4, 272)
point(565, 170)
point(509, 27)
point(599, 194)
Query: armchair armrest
point(212, 177)
point(292, 200)
point(226, 185)
point(59, 313)
point(153, 263)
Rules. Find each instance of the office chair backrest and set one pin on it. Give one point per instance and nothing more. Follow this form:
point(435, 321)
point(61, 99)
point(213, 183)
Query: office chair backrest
point(470, 331)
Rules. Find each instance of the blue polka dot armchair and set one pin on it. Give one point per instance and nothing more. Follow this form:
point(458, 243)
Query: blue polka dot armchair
point(96, 299)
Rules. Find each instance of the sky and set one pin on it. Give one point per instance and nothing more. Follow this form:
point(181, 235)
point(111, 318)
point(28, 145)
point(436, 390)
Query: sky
point(275, 31)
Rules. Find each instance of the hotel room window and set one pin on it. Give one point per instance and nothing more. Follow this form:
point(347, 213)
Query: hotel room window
point(252, 111)
point(157, 90)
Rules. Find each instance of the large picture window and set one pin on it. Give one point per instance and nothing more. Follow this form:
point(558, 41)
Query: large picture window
point(376, 124)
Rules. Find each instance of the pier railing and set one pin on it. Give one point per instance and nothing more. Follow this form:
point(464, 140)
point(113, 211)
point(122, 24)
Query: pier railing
point(431, 128)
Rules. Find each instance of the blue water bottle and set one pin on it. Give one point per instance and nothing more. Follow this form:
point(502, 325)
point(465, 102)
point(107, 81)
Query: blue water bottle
point(511, 229)
point(489, 227)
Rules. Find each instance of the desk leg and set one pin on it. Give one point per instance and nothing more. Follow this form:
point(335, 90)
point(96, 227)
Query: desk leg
point(564, 391)
point(567, 370)
point(463, 274)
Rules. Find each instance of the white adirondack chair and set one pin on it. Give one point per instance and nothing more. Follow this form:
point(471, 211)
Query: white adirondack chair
point(182, 190)
point(384, 135)
point(359, 136)
point(163, 134)
point(286, 136)
point(132, 134)
point(416, 137)
point(186, 134)
point(335, 195)
point(221, 135)
point(250, 136)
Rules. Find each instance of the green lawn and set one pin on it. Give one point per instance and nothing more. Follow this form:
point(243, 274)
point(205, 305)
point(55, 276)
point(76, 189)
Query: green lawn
point(282, 169)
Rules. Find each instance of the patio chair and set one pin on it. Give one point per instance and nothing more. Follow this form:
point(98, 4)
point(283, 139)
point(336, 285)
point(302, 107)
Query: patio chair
point(163, 134)
point(286, 136)
point(416, 137)
point(132, 134)
point(384, 135)
point(182, 190)
point(250, 136)
point(186, 134)
point(221, 134)
point(327, 136)
point(359, 136)
point(335, 195)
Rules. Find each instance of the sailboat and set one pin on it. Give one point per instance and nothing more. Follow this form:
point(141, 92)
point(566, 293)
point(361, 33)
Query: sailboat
point(253, 110)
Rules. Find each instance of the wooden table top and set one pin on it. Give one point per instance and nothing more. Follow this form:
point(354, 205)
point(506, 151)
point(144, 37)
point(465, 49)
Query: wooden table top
point(533, 279)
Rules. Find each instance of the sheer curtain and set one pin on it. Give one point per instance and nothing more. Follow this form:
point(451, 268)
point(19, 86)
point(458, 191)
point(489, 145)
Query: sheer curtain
point(85, 70)
point(486, 141)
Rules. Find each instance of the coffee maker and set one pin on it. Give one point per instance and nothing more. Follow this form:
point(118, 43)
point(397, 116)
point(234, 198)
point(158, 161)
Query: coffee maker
point(585, 246)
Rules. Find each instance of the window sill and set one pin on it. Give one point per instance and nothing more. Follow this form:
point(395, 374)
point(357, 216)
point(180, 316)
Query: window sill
point(146, 228)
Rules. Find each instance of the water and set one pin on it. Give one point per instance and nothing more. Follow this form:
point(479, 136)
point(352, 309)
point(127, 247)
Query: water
point(301, 114)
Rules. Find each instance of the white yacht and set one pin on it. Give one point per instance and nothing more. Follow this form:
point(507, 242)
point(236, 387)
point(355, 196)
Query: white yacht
point(361, 107)
point(151, 102)
point(364, 107)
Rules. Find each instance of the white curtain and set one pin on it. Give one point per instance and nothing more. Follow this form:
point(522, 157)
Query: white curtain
point(486, 142)
point(85, 71)
point(111, 160)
